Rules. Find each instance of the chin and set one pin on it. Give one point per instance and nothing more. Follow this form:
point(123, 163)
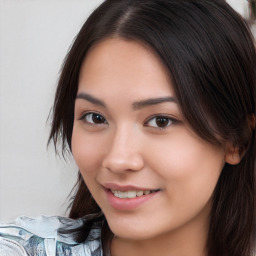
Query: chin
point(132, 231)
point(130, 234)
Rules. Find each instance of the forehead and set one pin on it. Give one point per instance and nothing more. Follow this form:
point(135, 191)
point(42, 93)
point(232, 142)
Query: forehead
point(124, 66)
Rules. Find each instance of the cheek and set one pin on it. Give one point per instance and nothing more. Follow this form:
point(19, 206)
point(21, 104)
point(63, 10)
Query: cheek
point(87, 150)
point(187, 165)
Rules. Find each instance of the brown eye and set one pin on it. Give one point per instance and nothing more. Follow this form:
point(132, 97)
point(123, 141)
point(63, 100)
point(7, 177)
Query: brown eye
point(160, 122)
point(94, 118)
point(98, 119)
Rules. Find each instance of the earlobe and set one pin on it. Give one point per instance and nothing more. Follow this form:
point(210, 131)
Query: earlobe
point(233, 155)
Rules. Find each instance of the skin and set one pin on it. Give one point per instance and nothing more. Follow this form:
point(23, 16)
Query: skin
point(126, 146)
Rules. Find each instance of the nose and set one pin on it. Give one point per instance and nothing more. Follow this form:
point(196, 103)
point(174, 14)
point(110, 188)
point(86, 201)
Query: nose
point(124, 154)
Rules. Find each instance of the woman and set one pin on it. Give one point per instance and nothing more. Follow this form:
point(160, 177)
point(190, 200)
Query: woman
point(156, 102)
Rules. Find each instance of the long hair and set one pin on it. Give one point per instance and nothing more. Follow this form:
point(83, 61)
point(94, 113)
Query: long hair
point(209, 53)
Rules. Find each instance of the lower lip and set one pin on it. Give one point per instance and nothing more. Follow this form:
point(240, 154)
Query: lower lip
point(125, 204)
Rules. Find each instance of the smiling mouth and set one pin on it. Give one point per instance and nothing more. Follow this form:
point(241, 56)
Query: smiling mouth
point(131, 194)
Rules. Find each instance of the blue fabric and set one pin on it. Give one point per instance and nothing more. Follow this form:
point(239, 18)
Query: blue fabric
point(40, 237)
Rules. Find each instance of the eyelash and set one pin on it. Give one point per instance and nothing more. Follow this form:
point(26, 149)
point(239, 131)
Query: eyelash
point(170, 121)
point(90, 114)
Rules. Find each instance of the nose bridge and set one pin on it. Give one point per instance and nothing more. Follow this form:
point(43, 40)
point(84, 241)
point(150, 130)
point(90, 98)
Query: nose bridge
point(124, 137)
point(124, 153)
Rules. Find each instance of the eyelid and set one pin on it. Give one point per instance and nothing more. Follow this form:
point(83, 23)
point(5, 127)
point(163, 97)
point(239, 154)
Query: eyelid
point(85, 114)
point(172, 121)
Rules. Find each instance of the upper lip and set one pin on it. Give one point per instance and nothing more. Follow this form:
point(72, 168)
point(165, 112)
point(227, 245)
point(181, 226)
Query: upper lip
point(113, 186)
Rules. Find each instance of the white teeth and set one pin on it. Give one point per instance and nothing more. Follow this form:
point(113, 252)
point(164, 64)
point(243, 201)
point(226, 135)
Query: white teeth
point(122, 194)
point(129, 194)
point(139, 193)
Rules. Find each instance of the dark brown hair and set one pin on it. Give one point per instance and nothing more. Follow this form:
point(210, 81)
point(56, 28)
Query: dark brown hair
point(210, 55)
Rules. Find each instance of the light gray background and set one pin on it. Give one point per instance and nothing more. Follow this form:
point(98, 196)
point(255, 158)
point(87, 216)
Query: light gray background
point(34, 38)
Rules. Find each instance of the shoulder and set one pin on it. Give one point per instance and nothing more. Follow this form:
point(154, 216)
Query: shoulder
point(40, 236)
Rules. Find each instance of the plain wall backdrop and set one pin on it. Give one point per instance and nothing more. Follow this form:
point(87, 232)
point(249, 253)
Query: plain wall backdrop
point(35, 36)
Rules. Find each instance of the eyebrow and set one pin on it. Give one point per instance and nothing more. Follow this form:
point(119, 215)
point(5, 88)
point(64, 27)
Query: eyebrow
point(136, 105)
point(153, 101)
point(91, 99)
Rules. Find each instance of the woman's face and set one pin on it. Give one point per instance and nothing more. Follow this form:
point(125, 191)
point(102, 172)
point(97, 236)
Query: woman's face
point(147, 170)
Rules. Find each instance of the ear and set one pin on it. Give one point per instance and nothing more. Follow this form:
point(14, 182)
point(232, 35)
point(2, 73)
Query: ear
point(233, 155)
